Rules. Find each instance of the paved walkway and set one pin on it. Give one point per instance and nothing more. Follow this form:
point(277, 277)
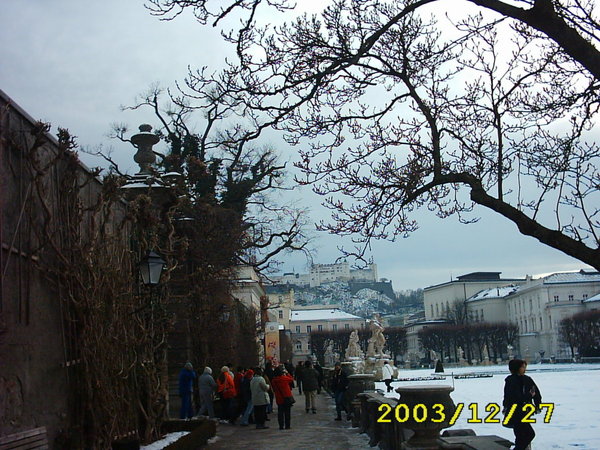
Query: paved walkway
point(308, 431)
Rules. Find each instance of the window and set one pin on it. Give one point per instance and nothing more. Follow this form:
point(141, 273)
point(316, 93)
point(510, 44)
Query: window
point(585, 296)
point(556, 298)
point(320, 327)
point(541, 324)
point(299, 346)
point(571, 298)
point(334, 327)
point(346, 326)
point(530, 305)
point(308, 328)
point(431, 310)
point(297, 328)
point(308, 346)
point(482, 315)
point(281, 313)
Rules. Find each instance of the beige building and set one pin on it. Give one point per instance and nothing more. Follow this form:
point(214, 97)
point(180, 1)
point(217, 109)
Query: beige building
point(305, 321)
point(439, 298)
point(536, 306)
point(281, 303)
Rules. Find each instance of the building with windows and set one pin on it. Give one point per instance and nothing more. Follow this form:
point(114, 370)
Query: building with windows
point(536, 306)
point(326, 273)
point(281, 302)
point(305, 321)
point(438, 299)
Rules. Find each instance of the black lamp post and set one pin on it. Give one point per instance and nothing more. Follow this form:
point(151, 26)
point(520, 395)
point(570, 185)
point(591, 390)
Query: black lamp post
point(151, 268)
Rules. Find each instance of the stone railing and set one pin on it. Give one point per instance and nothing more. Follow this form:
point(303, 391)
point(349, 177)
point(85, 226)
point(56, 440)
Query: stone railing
point(389, 433)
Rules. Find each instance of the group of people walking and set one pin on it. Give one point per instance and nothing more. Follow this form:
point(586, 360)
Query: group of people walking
point(248, 395)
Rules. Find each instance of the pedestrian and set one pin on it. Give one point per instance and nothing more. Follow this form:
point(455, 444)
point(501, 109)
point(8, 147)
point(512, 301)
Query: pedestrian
point(520, 390)
point(187, 377)
point(298, 375)
point(310, 383)
point(246, 397)
point(319, 370)
point(226, 390)
point(387, 375)
point(268, 374)
point(207, 387)
point(289, 367)
point(260, 398)
point(339, 385)
point(237, 382)
point(282, 387)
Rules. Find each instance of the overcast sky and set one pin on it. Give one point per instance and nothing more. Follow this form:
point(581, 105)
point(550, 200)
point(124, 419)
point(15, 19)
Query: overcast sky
point(73, 63)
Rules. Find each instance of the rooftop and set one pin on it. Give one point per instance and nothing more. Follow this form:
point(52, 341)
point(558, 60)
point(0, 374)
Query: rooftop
point(572, 277)
point(500, 292)
point(322, 314)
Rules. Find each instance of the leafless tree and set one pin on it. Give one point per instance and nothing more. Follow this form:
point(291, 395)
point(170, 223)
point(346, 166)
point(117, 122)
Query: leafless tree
point(394, 114)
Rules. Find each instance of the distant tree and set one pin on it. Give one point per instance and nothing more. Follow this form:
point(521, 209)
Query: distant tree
point(457, 312)
point(395, 341)
point(585, 329)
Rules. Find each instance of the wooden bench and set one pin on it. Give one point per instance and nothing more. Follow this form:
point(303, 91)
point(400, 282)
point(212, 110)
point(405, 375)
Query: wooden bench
point(35, 438)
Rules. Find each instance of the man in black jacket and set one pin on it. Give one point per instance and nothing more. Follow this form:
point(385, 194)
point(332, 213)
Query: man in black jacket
point(520, 390)
point(339, 385)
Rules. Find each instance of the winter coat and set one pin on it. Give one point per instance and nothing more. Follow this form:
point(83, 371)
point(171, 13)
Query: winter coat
point(520, 390)
point(186, 381)
point(388, 372)
point(206, 384)
point(259, 389)
point(298, 372)
point(339, 381)
point(225, 386)
point(282, 387)
point(310, 379)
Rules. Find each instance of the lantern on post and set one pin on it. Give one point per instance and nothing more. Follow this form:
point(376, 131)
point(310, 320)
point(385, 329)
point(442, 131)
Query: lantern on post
point(151, 268)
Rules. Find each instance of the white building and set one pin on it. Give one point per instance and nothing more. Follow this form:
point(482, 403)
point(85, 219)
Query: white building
point(306, 321)
point(439, 298)
point(536, 306)
point(325, 273)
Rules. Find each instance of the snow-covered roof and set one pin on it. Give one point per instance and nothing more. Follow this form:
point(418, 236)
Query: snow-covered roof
point(321, 314)
point(595, 298)
point(499, 292)
point(572, 277)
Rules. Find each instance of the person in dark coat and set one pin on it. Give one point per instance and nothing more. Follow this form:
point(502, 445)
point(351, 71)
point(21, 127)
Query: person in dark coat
point(187, 377)
point(269, 373)
point(310, 384)
point(298, 375)
point(339, 385)
point(520, 390)
point(319, 370)
point(247, 397)
point(281, 385)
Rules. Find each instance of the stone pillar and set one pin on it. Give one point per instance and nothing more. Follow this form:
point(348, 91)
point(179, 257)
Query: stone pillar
point(419, 400)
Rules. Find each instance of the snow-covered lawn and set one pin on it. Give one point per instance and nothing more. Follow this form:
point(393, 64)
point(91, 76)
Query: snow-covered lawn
point(573, 388)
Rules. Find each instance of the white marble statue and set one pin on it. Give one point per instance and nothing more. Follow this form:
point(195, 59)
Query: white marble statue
point(377, 339)
point(353, 350)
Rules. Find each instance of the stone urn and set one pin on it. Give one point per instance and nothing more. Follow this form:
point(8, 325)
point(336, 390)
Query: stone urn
point(426, 410)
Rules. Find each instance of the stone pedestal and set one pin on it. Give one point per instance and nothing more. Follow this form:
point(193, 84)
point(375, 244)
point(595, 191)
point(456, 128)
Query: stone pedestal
point(420, 398)
point(359, 382)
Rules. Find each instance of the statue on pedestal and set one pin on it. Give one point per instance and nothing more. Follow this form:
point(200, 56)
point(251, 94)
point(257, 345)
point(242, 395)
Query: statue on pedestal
point(353, 350)
point(377, 339)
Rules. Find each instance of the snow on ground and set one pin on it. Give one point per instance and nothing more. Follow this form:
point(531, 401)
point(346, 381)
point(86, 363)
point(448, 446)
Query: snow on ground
point(573, 388)
point(168, 439)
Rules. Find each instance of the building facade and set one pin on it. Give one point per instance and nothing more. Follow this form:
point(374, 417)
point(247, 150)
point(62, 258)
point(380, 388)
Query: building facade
point(438, 299)
point(305, 321)
point(326, 273)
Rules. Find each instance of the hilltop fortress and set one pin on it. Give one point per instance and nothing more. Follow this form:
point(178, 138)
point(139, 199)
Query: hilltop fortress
point(325, 273)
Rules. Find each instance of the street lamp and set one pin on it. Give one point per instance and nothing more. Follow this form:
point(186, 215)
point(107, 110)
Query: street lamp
point(151, 268)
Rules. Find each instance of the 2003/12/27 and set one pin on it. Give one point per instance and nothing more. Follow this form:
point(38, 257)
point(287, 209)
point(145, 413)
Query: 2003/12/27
point(436, 413)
